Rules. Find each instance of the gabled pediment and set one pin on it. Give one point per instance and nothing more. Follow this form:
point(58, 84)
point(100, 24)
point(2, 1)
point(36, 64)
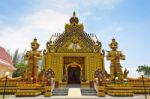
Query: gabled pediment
point(74, 44)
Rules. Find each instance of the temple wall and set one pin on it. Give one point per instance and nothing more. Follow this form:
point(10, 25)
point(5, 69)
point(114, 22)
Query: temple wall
point(93, 61)
point(4, 69)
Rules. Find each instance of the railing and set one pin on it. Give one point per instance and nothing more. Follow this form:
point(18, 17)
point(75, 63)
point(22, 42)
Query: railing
point(99, 87)
point(49, 88)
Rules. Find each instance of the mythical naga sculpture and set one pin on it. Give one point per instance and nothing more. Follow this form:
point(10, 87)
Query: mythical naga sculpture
point(99, 76)
point(126, 72)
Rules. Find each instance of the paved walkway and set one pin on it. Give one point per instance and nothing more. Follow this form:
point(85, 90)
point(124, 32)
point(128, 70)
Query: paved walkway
point(75, 97)
point(74, 92)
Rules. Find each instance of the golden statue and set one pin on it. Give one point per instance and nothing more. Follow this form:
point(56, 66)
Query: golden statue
point(115, 56)
point(32, 57)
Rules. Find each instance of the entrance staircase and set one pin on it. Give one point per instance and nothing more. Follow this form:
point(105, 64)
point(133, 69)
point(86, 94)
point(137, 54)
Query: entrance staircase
point(88, 92)
point(74, 88)
point(60, 92)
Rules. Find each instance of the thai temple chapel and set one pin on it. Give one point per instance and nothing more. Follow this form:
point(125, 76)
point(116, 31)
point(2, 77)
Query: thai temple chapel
point(73, 58)
point(74, 55)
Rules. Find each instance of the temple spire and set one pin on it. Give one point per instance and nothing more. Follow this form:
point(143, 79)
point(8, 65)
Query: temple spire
point(74, 19)
point(74, 13)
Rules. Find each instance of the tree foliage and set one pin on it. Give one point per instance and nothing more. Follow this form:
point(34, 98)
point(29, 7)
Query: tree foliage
point(16, 57)
point(19, 63)
point(145, 69)
point(20, 69)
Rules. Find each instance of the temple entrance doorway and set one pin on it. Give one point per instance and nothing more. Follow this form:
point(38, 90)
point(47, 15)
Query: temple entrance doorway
point(73, 70)
point(73, 75)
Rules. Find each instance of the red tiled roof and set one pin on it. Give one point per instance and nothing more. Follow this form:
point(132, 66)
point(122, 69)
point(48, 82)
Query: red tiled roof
point(5, 59)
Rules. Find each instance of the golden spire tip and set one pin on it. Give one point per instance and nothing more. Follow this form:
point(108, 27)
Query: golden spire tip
point(74, 13)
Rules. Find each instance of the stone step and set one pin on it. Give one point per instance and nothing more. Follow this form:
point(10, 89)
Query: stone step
point(88, 94)
point(60, 92)
point(61, 89)
point(88, 91)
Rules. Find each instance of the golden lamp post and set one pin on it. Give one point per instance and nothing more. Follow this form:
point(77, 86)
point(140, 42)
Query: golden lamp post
point(142, 75)
point(6, 75)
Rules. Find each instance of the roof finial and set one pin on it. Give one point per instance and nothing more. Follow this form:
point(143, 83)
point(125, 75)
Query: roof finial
point(74, 19)
point(35, 39)
point(74, 13)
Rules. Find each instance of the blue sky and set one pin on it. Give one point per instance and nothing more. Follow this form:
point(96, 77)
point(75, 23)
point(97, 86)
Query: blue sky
point(126, 20)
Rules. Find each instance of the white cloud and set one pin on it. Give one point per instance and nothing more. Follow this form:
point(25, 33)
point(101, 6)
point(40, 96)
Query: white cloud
point(101, 3)
point(40, 24)
point(110, 31)
point(132, 69)
point(46, 20)
point(114, 28)
point(67, 5)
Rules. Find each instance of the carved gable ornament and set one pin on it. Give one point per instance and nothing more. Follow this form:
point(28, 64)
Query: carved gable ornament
point(74, 44)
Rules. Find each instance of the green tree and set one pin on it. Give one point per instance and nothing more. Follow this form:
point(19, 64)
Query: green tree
point(145, 69)
point(20, 70)
point(16, 57)
point(19, 63)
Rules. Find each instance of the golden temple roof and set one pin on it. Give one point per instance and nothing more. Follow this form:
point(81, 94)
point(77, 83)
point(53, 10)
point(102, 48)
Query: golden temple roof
point(74, 29)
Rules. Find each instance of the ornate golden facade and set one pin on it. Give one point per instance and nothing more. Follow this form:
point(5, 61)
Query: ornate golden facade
point(74, 55)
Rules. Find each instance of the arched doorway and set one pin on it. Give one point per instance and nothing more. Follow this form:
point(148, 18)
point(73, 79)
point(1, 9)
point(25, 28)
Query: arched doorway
point(74, 73)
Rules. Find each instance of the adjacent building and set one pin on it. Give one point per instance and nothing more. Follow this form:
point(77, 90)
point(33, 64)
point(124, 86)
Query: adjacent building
point(6, 64)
